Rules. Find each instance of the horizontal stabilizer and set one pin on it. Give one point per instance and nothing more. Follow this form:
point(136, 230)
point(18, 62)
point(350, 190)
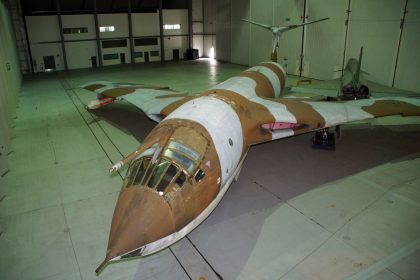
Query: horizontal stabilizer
point(258, 24)
point(305, 23)
point(280, 29)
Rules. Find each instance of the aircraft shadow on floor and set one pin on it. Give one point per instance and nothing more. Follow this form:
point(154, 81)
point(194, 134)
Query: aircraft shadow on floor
point(126, 117)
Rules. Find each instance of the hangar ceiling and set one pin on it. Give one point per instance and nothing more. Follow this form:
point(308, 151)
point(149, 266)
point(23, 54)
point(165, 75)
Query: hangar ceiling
point(43, 7)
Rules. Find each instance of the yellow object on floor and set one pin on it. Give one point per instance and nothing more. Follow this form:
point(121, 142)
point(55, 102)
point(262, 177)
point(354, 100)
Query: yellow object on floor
point(305, 82)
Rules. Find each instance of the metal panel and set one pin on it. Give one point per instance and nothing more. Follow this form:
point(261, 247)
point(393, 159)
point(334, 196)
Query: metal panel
point(325, 40)
point(408, 66)
point(223, 28)
point(79, 54)
point(260, 39)
point(286, 13)
point(240, 32)
point(375, 25)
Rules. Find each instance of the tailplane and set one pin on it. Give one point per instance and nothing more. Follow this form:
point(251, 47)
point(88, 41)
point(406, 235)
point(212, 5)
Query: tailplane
point(277, 31)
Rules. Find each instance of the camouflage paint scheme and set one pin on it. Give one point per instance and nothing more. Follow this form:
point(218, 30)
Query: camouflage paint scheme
point(242, 111)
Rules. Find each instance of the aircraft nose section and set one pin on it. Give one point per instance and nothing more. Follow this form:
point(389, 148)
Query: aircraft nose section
point(141, 216)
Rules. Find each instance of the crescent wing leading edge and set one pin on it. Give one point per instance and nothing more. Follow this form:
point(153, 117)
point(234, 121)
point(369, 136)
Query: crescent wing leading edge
point(155, 101)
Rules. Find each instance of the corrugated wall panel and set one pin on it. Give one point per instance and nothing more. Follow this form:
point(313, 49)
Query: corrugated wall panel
point(375, 25)
point(324, 46)
point(10, 82)
point(260, 40)
point(209, 19)
point(223, 28)
point(407, 72)
point(240, 32)
point(285, 13)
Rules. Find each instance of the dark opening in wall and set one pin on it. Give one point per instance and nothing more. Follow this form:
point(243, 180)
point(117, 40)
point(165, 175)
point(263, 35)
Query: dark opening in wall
point(114, 43)
point(110, 56)
point(75, 30)
point(145, 42)
point(138, 54)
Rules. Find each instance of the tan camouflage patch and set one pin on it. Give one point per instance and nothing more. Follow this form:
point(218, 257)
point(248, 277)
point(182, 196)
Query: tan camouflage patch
point(264, 87)
point(303, 112)
point(251, 115)
point(277, 71)
point(119, 91)
point(174, 105)
point(392, 107)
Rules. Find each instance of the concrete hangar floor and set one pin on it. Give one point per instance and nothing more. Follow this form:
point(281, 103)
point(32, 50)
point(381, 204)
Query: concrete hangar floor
point(294, 213)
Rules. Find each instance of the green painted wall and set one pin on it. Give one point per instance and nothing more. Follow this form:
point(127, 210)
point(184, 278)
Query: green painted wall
point(10, 82)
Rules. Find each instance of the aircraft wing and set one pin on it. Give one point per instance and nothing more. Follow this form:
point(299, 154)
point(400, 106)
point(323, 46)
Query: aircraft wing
point(379, 90)
point(294, 116)
point(331, 88)
point(155, 101)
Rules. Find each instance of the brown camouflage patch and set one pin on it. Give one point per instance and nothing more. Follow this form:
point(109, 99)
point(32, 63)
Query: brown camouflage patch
point(174, 105)
point(392, 107)
point(119, 91)
point(251, 116)
point(278, 72)
point(303, 112)
point(264, 87)
point(133, 223)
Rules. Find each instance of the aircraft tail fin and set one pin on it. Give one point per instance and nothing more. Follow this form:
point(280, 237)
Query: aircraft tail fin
point(359, 67)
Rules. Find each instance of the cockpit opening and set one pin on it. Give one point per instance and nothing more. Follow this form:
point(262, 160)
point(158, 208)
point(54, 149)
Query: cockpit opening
point(172, 166)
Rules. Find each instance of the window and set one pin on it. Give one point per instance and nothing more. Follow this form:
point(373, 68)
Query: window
point(158, 172)
point(184, 149)
point(172, 26)
point(114, 43)
point(184, 161)
point(167, 178)
point(136, 171)
point(138, 54)
point(141, 170)
point(145, 42)
point(199, 175)
point(181, 179)
point(75, 30)
point(106, 28)
point(110, 56)
point(146, 176)
point(156, 176)
point(154, 53)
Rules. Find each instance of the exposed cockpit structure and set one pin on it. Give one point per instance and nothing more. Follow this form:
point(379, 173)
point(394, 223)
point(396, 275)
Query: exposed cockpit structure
point(168, 184)
point(165, 172)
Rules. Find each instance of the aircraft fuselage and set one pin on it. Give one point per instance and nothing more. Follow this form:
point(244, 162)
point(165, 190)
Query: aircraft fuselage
point(189, 160)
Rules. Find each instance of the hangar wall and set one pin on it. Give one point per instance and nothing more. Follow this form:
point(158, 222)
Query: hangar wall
point(81, 46)
point(10, 83)
point(209, 21)
point(198, 26)
point(389, 51)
